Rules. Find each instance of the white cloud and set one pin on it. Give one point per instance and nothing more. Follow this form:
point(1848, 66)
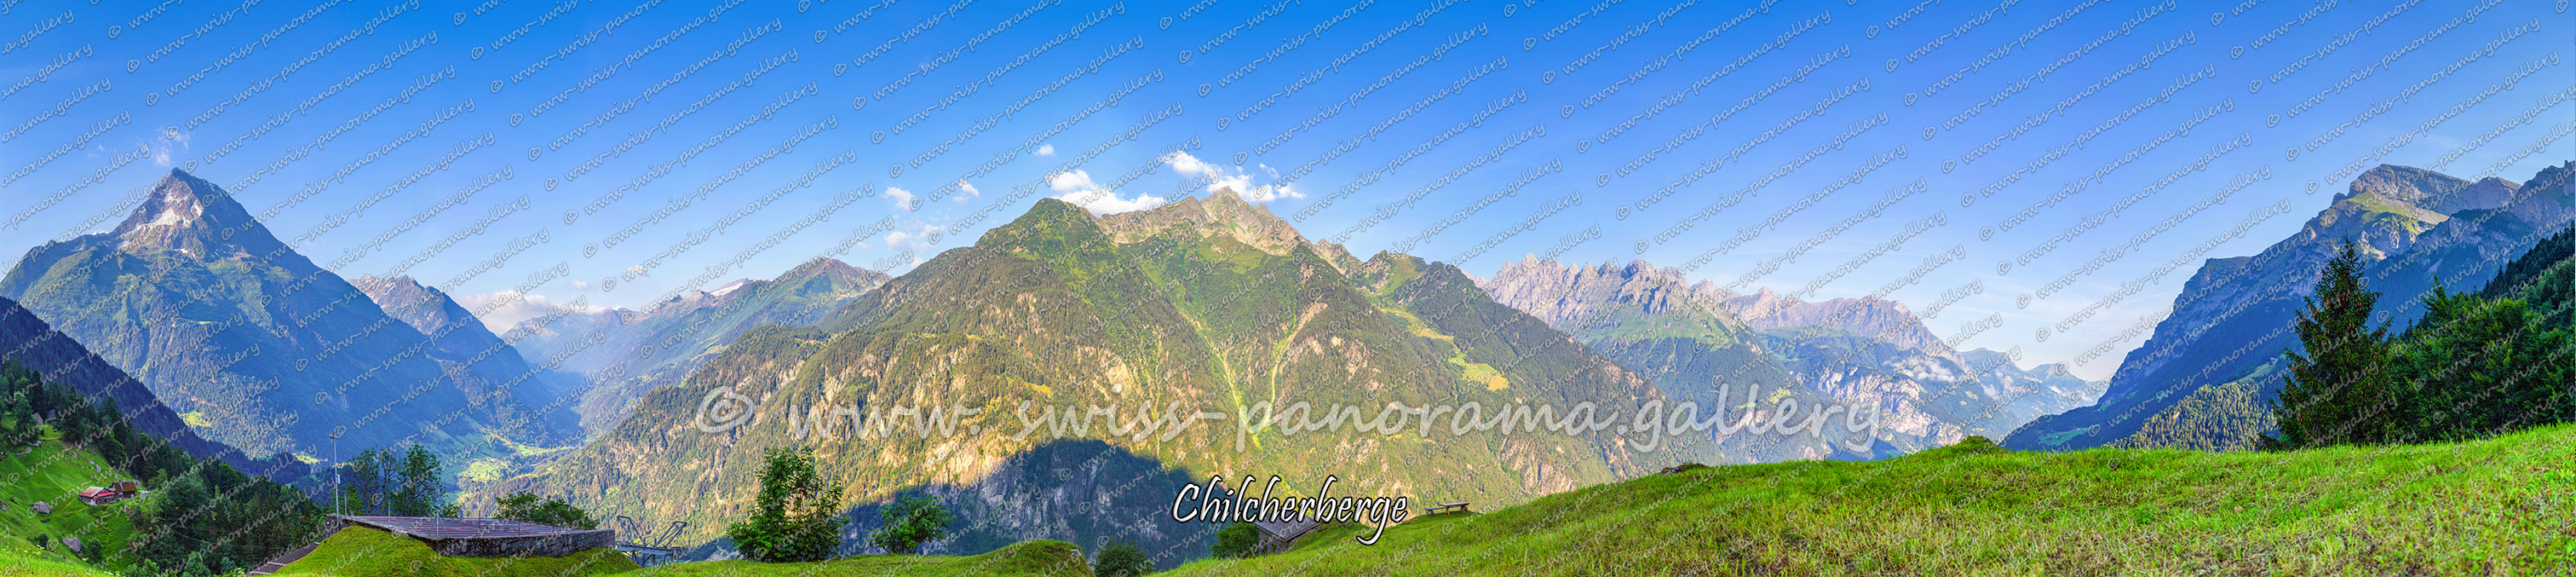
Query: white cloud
point(1072, 181)
point(1077, 188)
point(1188, 165)
point(169, 141)
point(1223, 177)
point(914, 236)
point(519, 308)
point(579, 285)
point(969, 190)
point(1046, 150)
point(902, 198)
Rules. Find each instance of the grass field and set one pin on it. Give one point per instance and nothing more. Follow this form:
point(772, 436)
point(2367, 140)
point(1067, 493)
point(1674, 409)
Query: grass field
point(2503, 506)
point(1031, 558)
point(366, 552)
point(21, 561)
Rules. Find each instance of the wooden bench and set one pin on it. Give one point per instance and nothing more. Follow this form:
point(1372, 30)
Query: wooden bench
point(1460, 506)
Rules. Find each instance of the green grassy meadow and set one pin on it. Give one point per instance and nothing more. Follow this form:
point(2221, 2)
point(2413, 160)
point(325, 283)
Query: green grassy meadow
point(2502, 506)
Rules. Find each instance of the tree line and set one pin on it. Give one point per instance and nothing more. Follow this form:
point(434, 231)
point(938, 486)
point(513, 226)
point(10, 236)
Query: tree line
point(2477, 364)
point(205, 517)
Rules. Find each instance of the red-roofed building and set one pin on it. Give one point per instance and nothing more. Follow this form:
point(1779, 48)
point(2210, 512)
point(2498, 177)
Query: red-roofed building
point(95, 496)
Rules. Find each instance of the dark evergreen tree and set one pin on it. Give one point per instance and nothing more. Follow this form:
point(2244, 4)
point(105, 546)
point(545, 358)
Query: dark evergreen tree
point(2337, 393)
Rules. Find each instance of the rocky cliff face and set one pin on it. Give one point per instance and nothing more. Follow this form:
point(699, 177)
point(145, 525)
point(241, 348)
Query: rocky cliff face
point(2412, 225)
point(198, 301)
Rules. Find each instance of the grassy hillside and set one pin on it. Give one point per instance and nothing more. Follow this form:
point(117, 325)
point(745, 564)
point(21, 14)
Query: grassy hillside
point(2497, 506)
point(21, 561)
point(1044, 557)
point(365, 552)
point(55, 474)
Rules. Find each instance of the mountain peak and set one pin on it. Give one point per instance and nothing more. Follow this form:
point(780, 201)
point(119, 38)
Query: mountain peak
point(828, 267)
point(188, 214)
point(1223, 212)
point(2431, 191)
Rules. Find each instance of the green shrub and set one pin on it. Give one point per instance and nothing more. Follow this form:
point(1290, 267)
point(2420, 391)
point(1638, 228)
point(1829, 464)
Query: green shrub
point(796, 517)
point(1236, 541)
point(524, 506)
point(1122, 558)
point(910, 522)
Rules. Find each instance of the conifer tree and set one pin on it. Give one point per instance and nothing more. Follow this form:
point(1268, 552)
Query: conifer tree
point(2337, 393)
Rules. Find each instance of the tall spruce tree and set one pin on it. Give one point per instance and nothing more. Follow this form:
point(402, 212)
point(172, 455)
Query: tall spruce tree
point(2337, 393)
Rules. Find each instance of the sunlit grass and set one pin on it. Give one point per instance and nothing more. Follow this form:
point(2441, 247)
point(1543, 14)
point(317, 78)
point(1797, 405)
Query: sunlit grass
point(367, 552)
point(2504, 506)
point(1030, 558)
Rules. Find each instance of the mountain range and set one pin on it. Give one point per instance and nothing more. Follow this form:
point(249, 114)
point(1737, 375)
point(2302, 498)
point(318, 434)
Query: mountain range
point(644, 350)
point(1693, 338)
point(1102, 361)
point(236, 330)
point(1200, 306)
point(2199, 380)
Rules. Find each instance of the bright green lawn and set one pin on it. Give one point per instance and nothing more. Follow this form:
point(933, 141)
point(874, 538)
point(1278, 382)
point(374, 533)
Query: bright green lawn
point(22, 560)
point(1031, 558)
point(365, 552)
point(2504, 506)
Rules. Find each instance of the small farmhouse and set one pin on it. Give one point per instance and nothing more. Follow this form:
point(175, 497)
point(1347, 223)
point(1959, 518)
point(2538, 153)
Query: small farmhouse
point(113, 492)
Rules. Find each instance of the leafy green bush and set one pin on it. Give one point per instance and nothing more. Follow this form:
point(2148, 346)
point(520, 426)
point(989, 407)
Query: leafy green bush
point(524, 506)
point(796, 517)
point(1122, 558)
point(1236, 541)
point(910, 522)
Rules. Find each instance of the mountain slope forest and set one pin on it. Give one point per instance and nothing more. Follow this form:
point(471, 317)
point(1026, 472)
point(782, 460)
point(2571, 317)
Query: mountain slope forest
point(1201, 305)
point(198, 516)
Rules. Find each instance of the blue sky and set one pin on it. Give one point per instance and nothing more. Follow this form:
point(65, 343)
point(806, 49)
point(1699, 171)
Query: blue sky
point(672, 146)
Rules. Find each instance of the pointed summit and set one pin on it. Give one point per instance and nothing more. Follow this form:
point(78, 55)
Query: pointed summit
point(188, 214)
point(1223, 212)
point(824, 267)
